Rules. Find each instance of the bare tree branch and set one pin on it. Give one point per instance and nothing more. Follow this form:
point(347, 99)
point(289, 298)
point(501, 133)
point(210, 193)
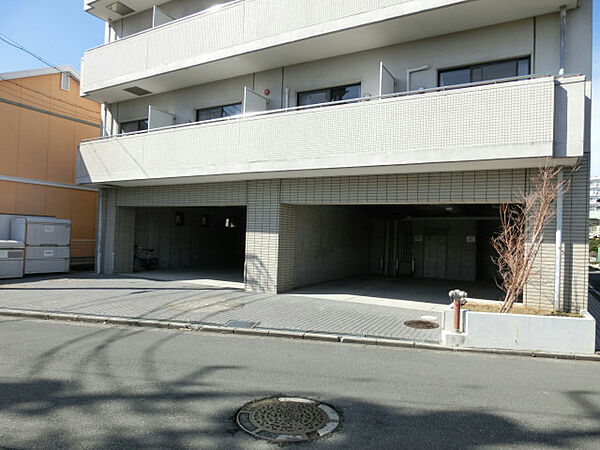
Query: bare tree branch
point(521, 232)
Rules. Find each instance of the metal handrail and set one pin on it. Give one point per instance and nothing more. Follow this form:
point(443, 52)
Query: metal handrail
point(490, 83)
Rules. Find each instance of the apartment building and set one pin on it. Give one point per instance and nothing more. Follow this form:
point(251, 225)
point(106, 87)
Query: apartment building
point(42, 121)
point(298, 141)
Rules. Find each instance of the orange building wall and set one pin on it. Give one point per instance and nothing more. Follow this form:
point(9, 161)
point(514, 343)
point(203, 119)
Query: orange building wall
point(40, 146)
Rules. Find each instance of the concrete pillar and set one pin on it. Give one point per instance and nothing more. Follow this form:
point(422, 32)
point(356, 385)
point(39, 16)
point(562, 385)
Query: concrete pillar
point(118, 231)
point(270, 229)
point(287, 248)
point(124, 239)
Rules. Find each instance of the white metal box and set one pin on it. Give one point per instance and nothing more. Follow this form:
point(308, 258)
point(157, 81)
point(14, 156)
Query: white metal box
point(46, 266)
point(11, 259)
point(41, 230)
point(46, 252)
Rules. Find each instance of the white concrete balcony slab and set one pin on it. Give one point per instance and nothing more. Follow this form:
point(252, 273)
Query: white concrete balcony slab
point(246, 36)
point(108, 11)
point(507, 124)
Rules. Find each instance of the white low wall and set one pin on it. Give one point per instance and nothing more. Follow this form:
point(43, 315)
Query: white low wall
point(552, 334)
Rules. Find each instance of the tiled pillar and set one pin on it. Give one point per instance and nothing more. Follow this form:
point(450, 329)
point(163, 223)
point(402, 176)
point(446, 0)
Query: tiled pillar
point(124, 239)
point(287, 247)
point(574, 288)
point(118, 229)
point(269, 239)
point(109, 200)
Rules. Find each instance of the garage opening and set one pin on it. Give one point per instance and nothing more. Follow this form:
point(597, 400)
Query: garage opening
point(205, 245)
point(403, 252)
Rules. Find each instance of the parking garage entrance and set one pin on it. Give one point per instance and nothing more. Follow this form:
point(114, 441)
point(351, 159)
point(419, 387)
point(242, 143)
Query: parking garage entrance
point(204, 245)
point(401, 252)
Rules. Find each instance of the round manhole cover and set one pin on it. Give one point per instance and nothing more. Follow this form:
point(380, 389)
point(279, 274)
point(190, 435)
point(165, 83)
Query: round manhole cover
point(421, 324)
point(288, 419)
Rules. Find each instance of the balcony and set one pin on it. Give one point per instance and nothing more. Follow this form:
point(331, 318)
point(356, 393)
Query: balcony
point(506, 124)
point(104, 10)
point(247, 36)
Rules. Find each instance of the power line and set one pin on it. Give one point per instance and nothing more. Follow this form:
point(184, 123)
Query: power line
point(59, 108)
point(15, 44)
point(49, 96)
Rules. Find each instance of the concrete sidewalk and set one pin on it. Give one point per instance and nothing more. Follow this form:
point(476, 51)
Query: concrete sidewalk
point(137, 298)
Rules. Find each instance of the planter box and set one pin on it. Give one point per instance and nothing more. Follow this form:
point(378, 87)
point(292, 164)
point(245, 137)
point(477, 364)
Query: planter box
point(552, 334)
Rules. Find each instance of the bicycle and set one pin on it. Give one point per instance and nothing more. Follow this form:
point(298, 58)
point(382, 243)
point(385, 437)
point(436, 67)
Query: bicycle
point(145, 256)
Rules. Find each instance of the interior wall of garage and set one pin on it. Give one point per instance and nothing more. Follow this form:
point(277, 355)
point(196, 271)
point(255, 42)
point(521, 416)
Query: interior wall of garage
point(332, 242)
point(190, 243)
point(443, 249)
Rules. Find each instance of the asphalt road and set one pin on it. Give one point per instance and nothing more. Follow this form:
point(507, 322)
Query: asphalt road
point(84, 386)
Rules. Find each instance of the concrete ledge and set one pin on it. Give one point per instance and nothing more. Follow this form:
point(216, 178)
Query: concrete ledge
point(321, 337)
point(286, 334)
point(521, 332)
point(178, 325)
point(122, 321)
point(153, 323)
point(24, 313)
point(395, 343)
point(251, 331)
point(358, 340)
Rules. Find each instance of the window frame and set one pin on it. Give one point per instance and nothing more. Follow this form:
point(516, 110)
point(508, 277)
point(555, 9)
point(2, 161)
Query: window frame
point(65, 79)
point(472, 67)
point(330, 89)
point(133, 121)
point(222, 108)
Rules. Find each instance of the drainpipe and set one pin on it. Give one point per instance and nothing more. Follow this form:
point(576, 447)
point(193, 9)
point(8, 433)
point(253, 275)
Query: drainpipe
point(409, 72)
point(104, 130)
point(559, 195)
point(563, 40)
point(286, 98)
point(558, 249)
point(99, 233)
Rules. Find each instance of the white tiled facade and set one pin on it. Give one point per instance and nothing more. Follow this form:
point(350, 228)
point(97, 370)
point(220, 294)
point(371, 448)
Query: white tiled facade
point(475, 144)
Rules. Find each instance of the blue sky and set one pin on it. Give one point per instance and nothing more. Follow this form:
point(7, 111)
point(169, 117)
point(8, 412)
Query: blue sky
point(60, 31)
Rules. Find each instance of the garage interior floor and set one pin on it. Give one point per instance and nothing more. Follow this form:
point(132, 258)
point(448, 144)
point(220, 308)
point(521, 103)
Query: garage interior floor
point(402, 292)
point(222, 278)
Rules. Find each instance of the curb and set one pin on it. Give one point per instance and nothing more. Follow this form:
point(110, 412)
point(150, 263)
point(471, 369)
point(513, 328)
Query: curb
point(289, 334)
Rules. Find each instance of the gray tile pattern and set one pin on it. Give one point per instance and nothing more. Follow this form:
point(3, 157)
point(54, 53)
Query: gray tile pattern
point(176, 300)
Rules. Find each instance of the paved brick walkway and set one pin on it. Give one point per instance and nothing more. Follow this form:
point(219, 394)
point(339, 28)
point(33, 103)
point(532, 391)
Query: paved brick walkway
point(177, 300)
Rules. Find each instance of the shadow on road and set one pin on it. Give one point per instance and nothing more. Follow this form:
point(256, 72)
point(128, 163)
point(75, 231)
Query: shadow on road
point(148, 409)
point(366, 425)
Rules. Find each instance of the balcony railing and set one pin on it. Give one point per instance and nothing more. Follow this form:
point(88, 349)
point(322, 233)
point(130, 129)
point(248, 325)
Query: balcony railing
point(249, 27)
point(506, 120)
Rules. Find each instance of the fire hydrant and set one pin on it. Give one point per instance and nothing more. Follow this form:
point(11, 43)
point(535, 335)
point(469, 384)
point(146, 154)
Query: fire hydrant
point(458, 297)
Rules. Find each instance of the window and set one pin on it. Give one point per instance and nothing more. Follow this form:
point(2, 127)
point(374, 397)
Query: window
point(329, 95)
point(65, 81)
point(134, 125)
point(218, 112)
point(483, 72)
